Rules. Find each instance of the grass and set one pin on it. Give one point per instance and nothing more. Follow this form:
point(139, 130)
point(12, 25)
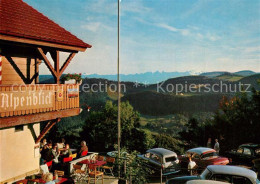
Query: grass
point(230, 78)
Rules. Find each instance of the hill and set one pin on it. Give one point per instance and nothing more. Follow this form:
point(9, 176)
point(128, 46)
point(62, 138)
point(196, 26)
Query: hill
point(245, 73)
point(229, 77)
point(158, 104)
point(252, 81)
point(213, 74)
point(147, 77)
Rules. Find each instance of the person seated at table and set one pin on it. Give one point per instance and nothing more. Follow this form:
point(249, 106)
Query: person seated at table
point(83, 148)
point(43, 143)
point(67, 151)
point(61, 144)
point(46, 153)
point(55, 153)
point(48, 178)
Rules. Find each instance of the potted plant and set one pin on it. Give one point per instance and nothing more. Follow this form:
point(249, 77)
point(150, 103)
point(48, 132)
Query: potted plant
point(72, 78)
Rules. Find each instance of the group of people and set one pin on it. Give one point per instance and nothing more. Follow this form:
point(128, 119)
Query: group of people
point(57, 151)
point(216, 145)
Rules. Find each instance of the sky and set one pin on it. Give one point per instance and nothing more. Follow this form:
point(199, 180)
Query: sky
point(160, 35)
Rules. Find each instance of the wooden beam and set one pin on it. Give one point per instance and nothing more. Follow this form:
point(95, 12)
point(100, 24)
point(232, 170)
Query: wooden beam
point(47, 62)
point(28, 68)
point(66, 63)
point(46, 129)
point(56, 58)
point(42, 43)
point(38, 117)
point(37, 63)
point(16, 68)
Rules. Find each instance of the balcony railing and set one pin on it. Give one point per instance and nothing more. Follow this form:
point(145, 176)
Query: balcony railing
point(18, 100)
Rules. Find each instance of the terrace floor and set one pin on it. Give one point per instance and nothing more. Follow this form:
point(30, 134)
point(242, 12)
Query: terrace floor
point(107, 180)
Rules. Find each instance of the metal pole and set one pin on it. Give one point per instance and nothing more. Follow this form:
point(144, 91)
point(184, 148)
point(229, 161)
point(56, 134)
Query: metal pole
point(118, 87)
point(161, 175)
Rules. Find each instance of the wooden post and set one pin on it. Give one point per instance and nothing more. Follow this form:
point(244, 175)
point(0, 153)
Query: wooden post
point(46, 129)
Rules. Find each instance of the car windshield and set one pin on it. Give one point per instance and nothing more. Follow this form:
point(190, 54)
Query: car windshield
point(210, 155)
point(205, 175)
point(170, 159)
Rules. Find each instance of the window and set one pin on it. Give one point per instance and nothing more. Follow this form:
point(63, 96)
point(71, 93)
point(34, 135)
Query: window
point(170, 159)
point(257, 151)
point(209, 155)
point(18, 128)
point(240, 150)
point(240, 180)
point(247, 151)
point(205, 174)
point(222, 177)
point(196, 156)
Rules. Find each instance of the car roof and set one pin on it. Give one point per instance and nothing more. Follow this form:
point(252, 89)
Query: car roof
point(250, 145)
point(205, 182)
point(201, 150)
point(232, 170)
point(162, 152)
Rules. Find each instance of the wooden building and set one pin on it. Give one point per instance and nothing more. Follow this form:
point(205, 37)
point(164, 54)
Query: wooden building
point(26, 36)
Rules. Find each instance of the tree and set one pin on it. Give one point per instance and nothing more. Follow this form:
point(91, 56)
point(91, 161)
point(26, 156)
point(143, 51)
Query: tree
point(100, 129)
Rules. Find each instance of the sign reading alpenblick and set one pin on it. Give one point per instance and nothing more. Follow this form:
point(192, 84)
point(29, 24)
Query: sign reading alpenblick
point(26, 100)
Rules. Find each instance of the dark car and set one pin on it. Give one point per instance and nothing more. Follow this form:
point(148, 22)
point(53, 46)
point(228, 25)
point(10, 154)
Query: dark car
point(244, 154)
point(160, 158)
point(203, 157)
point(224, 173)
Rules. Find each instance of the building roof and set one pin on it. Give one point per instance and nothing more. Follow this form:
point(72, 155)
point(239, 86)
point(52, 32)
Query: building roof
point(201, 150)
point(19, 19)
point(233, 170)
point(162, 152)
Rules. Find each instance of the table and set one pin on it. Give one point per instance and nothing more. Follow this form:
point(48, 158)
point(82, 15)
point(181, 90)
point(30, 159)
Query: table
point(96, 163)
point(61, 180)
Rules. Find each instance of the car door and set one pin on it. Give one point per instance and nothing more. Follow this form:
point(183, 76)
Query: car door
point(240, 180)
point(236, 158)
point(196, 158)
point(247, 156)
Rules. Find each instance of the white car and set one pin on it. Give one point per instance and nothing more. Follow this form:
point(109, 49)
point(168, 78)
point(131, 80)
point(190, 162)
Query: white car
point(205, 182)
point(162, 158)
point(223, 173)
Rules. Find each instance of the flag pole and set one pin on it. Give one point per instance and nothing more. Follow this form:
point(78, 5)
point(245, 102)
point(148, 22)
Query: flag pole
point(118, 87)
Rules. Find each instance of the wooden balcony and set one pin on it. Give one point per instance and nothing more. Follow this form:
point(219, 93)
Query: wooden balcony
point(25, 104)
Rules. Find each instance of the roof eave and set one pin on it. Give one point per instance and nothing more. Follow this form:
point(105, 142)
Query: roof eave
point(43, 43)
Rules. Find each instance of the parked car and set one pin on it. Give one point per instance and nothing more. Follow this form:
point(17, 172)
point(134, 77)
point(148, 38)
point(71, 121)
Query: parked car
point(205, 182)
point(158, 158)
point(244, 154)
point(224, 173)
point(203, 157)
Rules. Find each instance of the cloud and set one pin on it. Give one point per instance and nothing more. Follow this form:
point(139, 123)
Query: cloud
point(134, 7)
point(96, 26)
point(252, 49)
point(184, 32)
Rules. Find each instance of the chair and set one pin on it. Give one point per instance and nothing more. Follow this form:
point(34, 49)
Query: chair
point(49, 164)
point(110, 163)
point(67, 159)
point(84, 153)
point(93, 173)
point(79, 172)
point(59, 173)
point(100, 158)
point(44, 169)
point(73, 155)
point(25, 181)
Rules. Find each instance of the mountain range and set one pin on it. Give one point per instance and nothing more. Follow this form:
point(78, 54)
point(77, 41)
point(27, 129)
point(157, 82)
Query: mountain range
point(155, 77)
